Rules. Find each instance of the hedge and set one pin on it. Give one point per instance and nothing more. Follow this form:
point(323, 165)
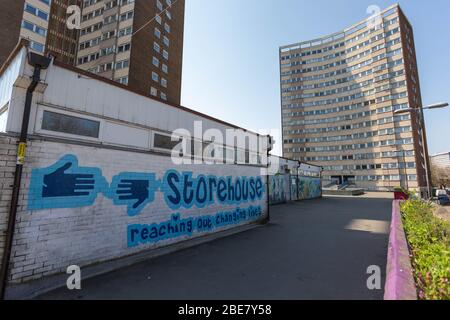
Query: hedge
point(429, 241)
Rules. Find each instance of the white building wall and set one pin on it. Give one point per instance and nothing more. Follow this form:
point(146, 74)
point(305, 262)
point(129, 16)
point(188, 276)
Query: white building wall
point(56, 225)
point(48, 240)
point(69, 91)
point(441, 160)
point(7, 80)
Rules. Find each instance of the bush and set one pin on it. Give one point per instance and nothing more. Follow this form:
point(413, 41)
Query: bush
point(429, 240)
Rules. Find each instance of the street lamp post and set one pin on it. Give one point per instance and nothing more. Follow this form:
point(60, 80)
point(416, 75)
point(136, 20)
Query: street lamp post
point(422, 121)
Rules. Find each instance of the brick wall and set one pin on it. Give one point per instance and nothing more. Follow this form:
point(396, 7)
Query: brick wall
point(49, 239)
point(7, 167)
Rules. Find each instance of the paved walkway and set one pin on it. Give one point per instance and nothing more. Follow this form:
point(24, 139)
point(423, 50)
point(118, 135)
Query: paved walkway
point(317, 249)
point(370, 195)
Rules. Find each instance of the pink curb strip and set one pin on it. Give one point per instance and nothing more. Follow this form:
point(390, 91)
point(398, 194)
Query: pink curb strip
point(400, 283)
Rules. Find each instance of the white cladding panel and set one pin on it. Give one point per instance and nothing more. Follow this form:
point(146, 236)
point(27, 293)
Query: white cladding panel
point(68, 89)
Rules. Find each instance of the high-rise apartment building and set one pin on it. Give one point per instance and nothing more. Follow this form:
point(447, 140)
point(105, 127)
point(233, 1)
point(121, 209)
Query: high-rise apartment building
point(62, 41)
point(338, 96)
point(42, 22)
point(135, 42)
point(23, 19)
point(138, 43)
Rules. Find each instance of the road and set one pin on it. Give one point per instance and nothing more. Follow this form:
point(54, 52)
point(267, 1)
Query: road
point(317, 249)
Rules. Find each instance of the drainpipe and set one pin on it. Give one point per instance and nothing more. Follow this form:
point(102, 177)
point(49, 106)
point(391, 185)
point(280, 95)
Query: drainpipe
point(269, 148)
point(321, 188)
point(39, 63)
point(298, 179)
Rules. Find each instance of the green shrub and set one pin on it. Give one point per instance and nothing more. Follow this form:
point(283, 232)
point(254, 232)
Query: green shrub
point(429, 240)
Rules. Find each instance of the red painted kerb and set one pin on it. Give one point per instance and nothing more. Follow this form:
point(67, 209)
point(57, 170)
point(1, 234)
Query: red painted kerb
point(400, 283)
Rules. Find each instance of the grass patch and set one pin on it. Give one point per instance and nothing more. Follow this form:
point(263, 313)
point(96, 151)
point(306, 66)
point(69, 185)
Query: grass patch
point(429, 240)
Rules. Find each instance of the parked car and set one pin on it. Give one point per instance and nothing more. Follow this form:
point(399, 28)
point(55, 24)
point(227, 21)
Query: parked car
point(443, 198)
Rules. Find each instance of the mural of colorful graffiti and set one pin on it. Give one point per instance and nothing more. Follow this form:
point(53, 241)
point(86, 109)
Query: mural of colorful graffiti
point(278, 188)
point(309, 188)
point(177, 226)
point(283, 188)
point(67, 185)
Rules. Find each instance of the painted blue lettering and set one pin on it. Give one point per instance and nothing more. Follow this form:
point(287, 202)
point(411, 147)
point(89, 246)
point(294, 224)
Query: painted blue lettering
point(252, 189)
point(66, 185)
point(173, 179)
point(221, 190)
point(259, 188)
point(188, 193)
point(230, 189)
point(201, 193)
point(212, 186)
point(238, 189)
point(245, 189)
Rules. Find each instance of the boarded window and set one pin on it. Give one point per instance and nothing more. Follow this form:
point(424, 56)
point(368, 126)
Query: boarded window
point(69, 124)
point(165, 142)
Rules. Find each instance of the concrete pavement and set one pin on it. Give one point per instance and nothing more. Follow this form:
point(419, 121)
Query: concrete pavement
point(317, 249)
point(369, 195)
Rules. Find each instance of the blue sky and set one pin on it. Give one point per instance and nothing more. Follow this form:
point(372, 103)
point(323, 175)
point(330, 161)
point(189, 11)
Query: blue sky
point(231, 68)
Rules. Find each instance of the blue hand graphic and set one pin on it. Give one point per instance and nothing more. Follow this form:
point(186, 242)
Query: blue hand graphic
point(65, 185)
point(62, 184)
point(133, 190)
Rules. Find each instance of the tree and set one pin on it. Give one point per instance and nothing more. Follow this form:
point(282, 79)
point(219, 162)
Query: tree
point(440, 176)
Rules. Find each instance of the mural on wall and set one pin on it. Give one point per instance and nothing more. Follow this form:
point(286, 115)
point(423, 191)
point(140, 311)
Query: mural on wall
point(309, 188)
point(277, 189)
point(294, 188)
point(284, 188)
point(177, 226)
point(67, 185)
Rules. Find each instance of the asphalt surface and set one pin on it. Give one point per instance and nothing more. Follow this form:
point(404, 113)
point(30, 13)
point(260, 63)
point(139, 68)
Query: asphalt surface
point(317, 249)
